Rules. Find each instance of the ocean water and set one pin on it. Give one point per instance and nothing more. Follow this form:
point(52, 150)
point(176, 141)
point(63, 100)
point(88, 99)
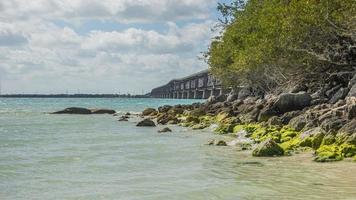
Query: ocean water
point(46, 156)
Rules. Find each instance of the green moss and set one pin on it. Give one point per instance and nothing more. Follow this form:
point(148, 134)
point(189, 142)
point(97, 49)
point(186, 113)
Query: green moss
point(348, 150)
point(328, 140)
point(291, 144)
point(224, 128)
point(238, 128)
point(221, 116)
point(328, 153)
point(200, 126)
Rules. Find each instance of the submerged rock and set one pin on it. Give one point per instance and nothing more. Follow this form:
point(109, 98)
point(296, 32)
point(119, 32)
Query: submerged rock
point(164, 130)
point(268, 148)
point(146, 122)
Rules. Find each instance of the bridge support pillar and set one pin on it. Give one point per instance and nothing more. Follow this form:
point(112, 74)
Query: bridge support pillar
point(195, 94)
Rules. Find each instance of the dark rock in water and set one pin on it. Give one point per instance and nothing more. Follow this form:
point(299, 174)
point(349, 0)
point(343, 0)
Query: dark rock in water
point(217, 143)
point(127, 114)
point(102, 111)
point(165, 130)
point(146, 122)
point(124, 118)
point(289, 102)
point(74, 110)
point(268, 148)
point(149, 111)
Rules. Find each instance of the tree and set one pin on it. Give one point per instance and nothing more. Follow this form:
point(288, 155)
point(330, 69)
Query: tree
point(265, 43)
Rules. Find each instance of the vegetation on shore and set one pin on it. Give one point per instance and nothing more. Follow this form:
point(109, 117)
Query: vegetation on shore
point(267, 43)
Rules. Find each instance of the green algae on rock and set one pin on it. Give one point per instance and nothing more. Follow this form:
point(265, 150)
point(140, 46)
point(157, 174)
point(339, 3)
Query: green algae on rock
point(268, 148)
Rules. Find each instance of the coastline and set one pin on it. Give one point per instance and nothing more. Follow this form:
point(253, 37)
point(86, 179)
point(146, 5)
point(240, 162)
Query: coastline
point(325, 130)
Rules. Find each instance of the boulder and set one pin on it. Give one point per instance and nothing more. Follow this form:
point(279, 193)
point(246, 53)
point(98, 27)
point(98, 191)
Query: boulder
point(275, 121)
point(164, 130)
point(146, 122)
point(268, 148)
point(232, 97)
point(164, 108)
point(149, 111)
point(332, 125)
point(289, 102)
point(348, 132)
point(74, 110)
point(102, 111)
point(124, 118)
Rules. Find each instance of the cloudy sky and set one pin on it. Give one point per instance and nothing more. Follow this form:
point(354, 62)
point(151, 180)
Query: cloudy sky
point(101, 46)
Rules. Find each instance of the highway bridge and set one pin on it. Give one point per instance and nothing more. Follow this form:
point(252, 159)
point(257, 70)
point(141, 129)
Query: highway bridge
point(200, 85)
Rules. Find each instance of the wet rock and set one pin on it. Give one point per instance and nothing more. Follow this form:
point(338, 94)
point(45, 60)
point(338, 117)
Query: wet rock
point(268, 148)
point(164, 130)
point(146, 122)
point(289, 102)
point(149, 111)
point(217, 143)
point(102, 111)
point(74, 110)
point(124, 118)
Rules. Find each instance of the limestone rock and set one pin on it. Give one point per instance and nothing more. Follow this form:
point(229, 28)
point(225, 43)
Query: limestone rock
point(268, 148)
point(146, 122)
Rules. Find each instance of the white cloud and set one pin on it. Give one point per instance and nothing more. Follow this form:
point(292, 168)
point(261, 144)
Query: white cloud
point(37, 54)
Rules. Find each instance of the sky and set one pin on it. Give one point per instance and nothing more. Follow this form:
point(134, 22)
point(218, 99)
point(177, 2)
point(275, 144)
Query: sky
point(101, 46)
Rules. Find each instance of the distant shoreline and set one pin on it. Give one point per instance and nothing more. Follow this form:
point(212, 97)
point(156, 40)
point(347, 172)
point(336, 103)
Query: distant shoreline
point(73, 96)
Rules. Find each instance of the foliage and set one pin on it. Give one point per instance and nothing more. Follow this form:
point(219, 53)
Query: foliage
point(265, 42)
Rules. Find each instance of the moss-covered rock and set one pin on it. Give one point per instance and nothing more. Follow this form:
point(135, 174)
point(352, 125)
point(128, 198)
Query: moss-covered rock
point(149, 111)
point(224, 128)
point(268, 148)
point(200, 126)
point(328, 153)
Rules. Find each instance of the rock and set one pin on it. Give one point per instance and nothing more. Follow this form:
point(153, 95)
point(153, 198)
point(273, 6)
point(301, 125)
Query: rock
point(286, 117)
point(265, 114)
point(74, 110)
point(197, 112)
point(275, 121)
point(211, 99)
point(245, 92)
point(332, 125)
point(127, 114)
point(268, 148)
point(176, 110)
point(348, 132)
point(220, 143)
point(221, 98)
point(289, 102)
point(299, 88)
point(146, 122)
point(164, 108)
point(332, 91)
point(164, 130)
point(351, 111)
point(149, 111)
point(232, 97)
point(298, 123)
point(102, 111)
point(340, 94)
point(251, 116)
point(124, 118)
point(200, 126)
point(164, 118)
point(352, 92)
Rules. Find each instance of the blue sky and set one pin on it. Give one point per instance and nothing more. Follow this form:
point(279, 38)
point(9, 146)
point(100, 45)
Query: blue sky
point(96, 46)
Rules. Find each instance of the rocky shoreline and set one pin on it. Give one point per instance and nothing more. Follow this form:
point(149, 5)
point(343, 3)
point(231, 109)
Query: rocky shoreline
point(320, 121)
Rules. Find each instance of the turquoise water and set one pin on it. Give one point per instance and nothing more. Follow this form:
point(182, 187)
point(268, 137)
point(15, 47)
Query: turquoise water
point(46, 156)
